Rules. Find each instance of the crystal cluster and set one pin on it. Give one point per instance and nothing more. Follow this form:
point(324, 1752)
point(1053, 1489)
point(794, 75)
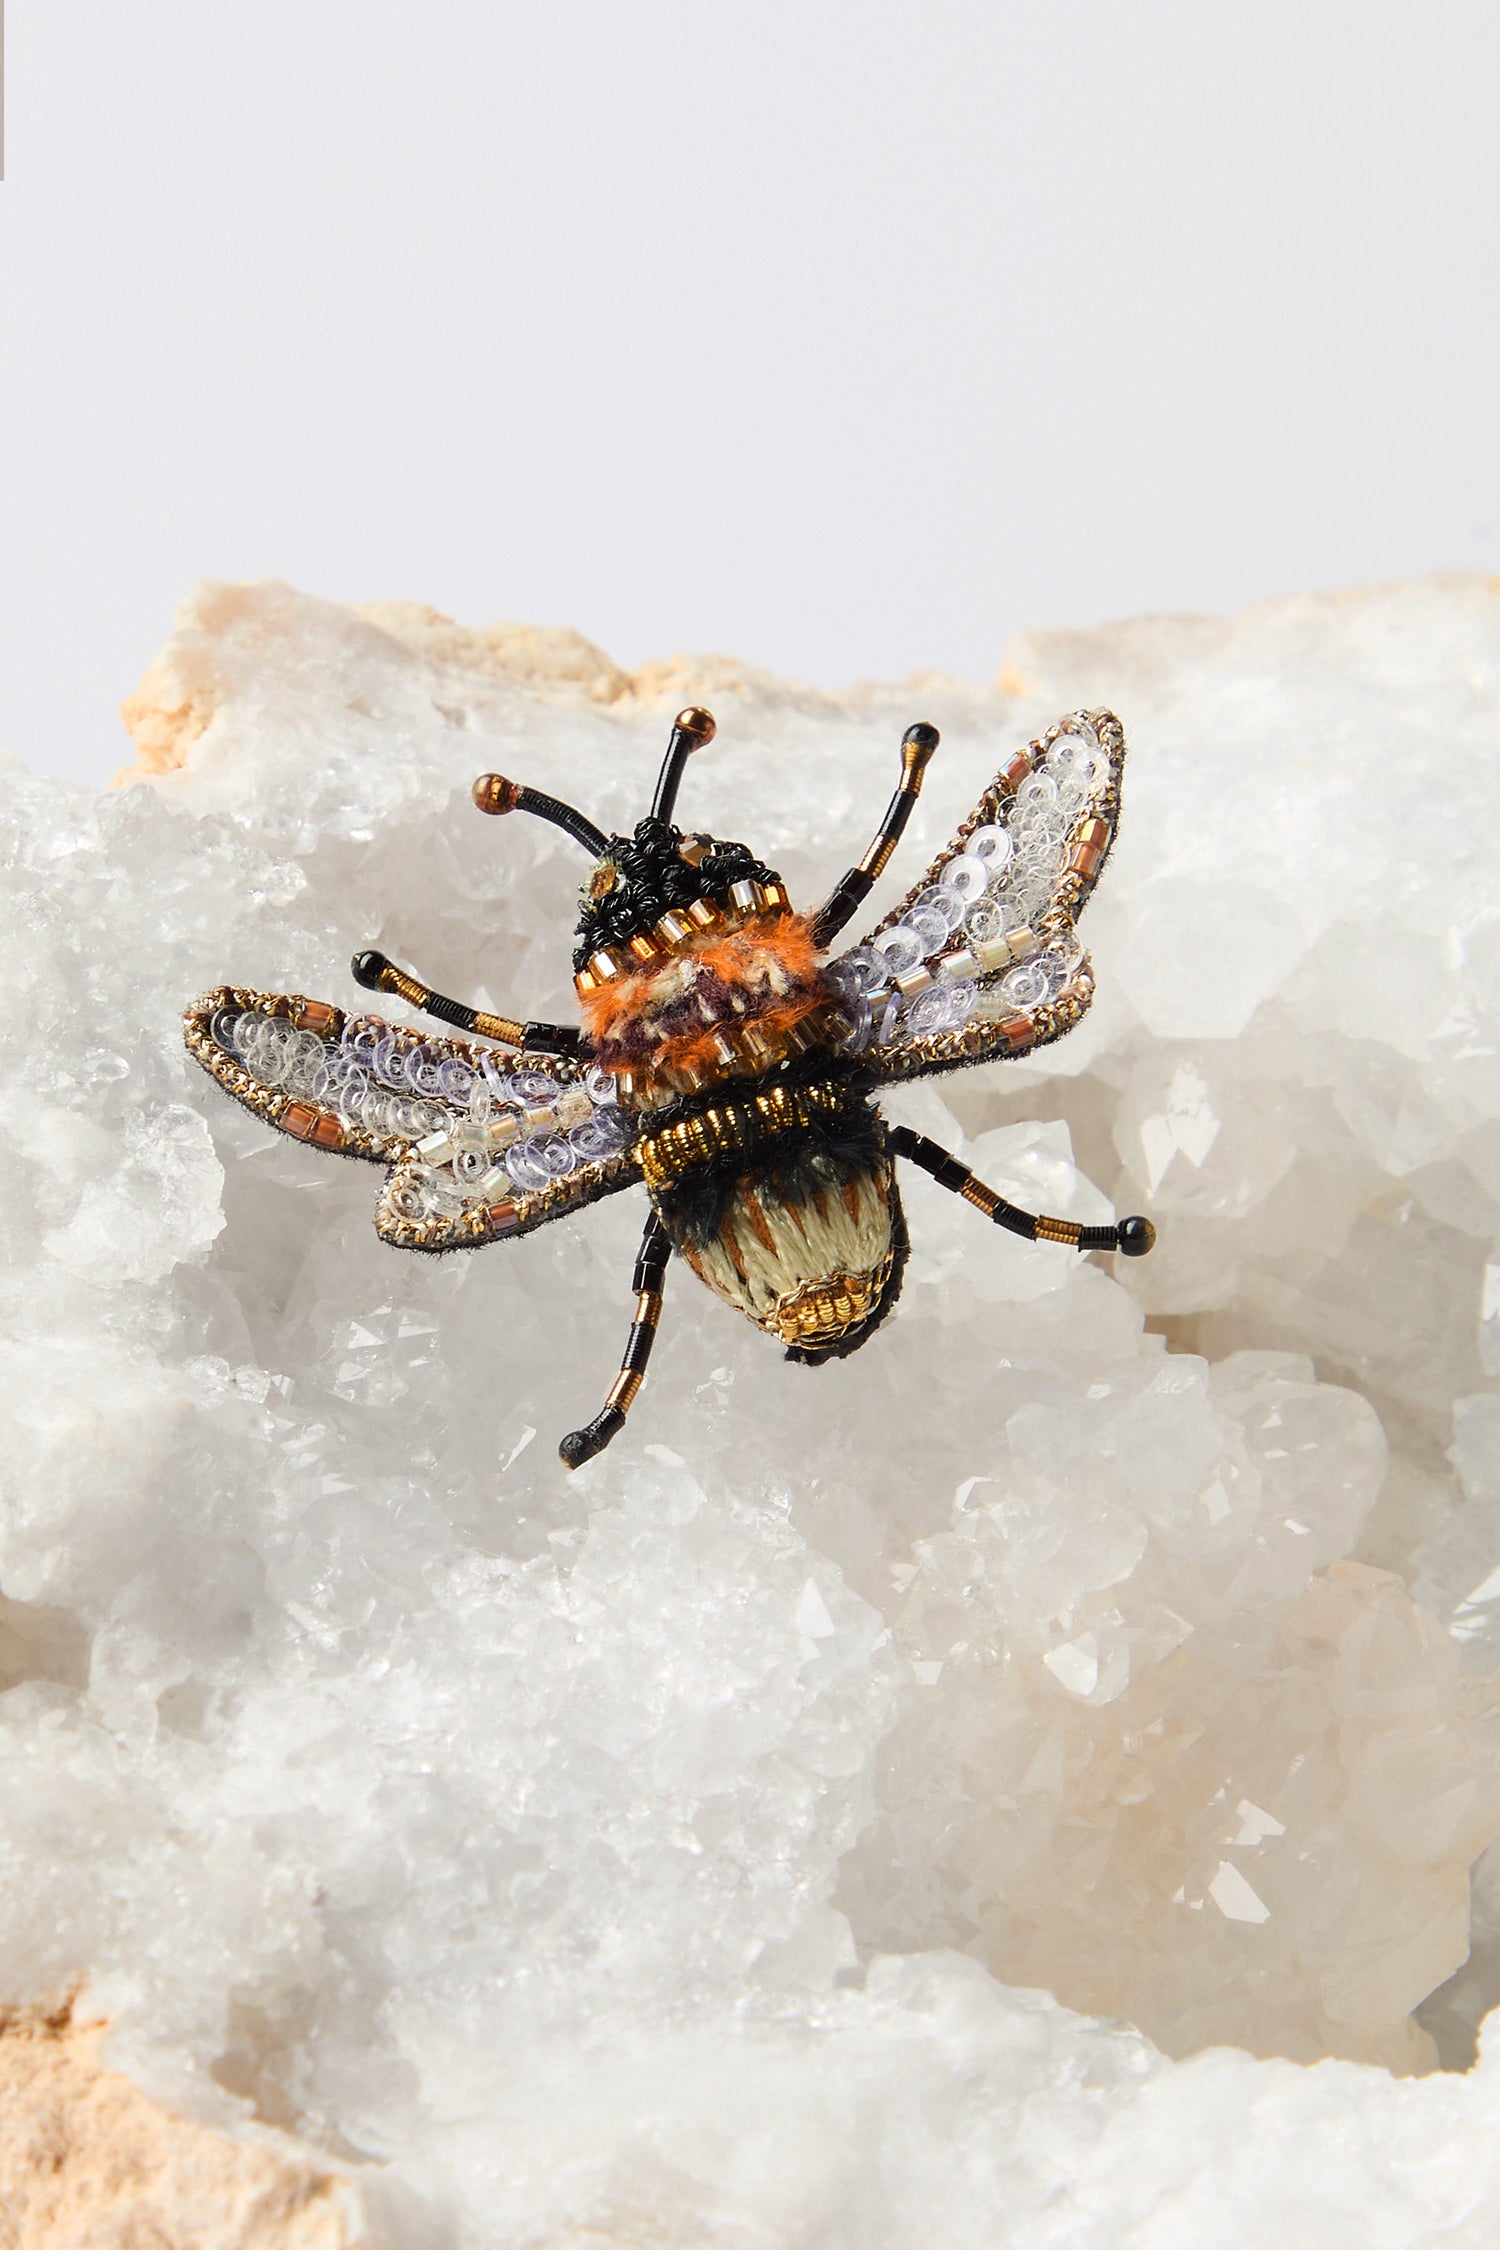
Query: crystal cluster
point(741, 1840)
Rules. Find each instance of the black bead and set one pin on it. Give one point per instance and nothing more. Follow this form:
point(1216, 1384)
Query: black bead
point(582, 1445)
point(367, 968)
point(1136, 1237)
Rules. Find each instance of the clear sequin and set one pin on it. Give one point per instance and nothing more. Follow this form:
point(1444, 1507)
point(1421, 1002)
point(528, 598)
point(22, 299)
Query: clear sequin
point(389, 1061)
point(1026, 986)
point(424, 1070)
point(947, 903)
point(985, 921)
point(305, 1060)
point(412, 1119)
point(375, 1113)
point(1024, 902)
point(600, 1084)
point(1079, 767)
point(353, 1097)
point(457, 1081)
point(603, 1134)
point(927, 1014)
point(530, 1086)
point(525, 1166)
point(407, 1199)
point(858, 1018)
point(557, 1156)
point(1038, 793)
point(992, 847)
point(362, 1035)
point(333, 1074)
point(277, 1054)
point(968, 876)
point(1066, 956)
point(866, 969)
point(931, 930)
point(1077, 750)
point(902, 948)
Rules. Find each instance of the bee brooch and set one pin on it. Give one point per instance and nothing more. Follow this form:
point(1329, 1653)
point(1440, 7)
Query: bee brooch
point(723, 1061)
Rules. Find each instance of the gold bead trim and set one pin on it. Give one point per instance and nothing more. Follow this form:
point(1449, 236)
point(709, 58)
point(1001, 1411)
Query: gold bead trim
point(821, 1311)
point(741, 1050)
point(731, 1129)
point(675, 931)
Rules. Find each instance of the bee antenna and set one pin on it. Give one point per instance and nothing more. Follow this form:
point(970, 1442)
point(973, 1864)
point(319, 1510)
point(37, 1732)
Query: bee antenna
point(690, 730)
point(494, 794)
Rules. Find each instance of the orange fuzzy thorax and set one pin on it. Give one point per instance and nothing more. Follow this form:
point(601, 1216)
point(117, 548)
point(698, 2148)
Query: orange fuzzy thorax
point(765, 973)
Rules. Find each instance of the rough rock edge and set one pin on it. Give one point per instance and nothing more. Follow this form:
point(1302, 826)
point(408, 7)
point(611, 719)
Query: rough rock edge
point(179, 692)
point(89, 2160)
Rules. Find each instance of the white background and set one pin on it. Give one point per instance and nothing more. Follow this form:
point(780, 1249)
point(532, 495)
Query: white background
point(846, 338)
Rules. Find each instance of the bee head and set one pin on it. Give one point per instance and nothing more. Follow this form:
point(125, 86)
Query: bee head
point(654, 871)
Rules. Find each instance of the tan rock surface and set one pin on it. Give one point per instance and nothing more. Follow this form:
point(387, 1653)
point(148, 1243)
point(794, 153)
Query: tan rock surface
point(187, 683)
point(89, 2162)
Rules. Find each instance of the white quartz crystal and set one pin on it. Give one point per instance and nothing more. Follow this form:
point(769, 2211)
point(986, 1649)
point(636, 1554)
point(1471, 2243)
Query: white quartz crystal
point(819, 1821)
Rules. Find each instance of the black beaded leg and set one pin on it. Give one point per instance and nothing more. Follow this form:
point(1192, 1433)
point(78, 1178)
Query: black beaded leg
point(650, 1270)
point(377, 974)
point(917, 746)
point(1132, 1236)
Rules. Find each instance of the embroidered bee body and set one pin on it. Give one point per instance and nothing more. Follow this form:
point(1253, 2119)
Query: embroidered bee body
point(723, 1061)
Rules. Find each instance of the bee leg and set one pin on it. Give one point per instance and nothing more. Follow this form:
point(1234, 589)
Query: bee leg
point(650, 1271)
point(1132, 1236)
point(917, 746)
point(377, 974)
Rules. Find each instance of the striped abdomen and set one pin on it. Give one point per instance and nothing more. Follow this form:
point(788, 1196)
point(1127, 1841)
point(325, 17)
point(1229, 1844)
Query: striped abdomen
point(815, 1269)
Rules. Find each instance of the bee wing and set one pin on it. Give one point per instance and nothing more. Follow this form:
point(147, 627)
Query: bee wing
point(481, 1144)
point(981, 957)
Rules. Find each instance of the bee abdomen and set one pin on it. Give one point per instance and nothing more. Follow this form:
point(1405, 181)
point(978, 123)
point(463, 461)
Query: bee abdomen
point(812, 1268)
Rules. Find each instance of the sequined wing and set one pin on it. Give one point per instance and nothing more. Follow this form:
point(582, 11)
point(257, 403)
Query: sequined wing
point(481, 1144)
point(981, 958)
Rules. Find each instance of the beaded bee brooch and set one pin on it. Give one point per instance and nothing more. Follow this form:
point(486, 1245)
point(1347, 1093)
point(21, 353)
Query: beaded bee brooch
point(724, 1062)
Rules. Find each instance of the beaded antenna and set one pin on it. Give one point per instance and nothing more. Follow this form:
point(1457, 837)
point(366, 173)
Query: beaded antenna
point(723, 1061)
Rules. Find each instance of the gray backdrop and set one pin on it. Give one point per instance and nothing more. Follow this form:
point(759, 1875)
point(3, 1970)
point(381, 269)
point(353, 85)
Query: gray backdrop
point(843, 337)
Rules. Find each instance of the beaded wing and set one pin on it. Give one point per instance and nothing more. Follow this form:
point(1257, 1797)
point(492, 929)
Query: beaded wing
point(479, 1145)
point(982, 957)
